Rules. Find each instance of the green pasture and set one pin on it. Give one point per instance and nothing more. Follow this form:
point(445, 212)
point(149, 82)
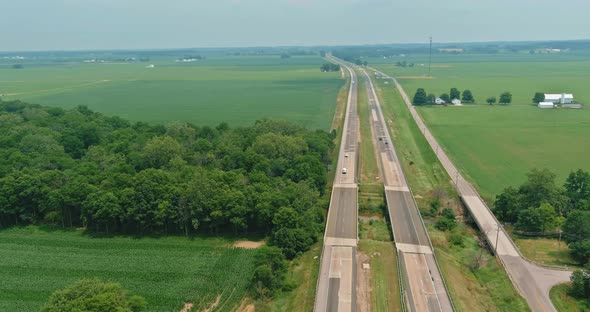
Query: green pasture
point(233, 89)
point(167, 271)
point(496, 145)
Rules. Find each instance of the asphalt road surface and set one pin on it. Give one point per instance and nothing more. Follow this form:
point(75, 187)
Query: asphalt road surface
point(336, 290)
point(532, 281)
point(424, 287)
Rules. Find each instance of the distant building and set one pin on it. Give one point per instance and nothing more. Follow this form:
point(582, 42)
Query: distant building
point(150, 66)
point(564, 98)
point(456, 102)
point(451, 50)
point(571, 105)
point(439, 101)
point(546, 105)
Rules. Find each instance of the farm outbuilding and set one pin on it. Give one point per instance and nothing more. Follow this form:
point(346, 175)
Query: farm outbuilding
point(456, 102)
point(546, 105)
point(563, 98)
point(439, 101)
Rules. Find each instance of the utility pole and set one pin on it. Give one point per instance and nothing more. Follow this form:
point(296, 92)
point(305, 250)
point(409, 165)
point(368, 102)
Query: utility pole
point(430, 58)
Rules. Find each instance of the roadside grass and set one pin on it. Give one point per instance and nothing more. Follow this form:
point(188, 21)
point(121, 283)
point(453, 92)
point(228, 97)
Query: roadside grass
point(545, 250)
point(234, 89)
point(488, 286)
point(167, 271)
point(303, 272)
point(564, 302)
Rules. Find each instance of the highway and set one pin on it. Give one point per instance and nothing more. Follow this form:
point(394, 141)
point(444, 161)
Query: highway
point(336, 288)
point(532, 281)
point(424, 286)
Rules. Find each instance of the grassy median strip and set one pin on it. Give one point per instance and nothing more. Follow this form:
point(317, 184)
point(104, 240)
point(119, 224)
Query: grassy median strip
point(481, 284)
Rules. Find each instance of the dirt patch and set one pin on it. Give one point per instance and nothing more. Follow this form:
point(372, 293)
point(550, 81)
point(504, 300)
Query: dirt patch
point(187, 307)
point(248, 244)
point(414, 77)
point(213, 305)
point(363, 287)
point(245, 306)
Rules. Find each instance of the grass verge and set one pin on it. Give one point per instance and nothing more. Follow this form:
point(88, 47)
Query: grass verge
point(545, 250)
point(564, 302)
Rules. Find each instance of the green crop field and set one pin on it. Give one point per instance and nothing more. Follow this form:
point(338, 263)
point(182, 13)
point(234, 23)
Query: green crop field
point(496, 145)
point(233, 89)
point(166, 271)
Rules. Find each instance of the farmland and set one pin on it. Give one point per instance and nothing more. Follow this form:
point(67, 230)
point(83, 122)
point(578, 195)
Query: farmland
point(167, 271)
point(221, 88)
point(496, 145)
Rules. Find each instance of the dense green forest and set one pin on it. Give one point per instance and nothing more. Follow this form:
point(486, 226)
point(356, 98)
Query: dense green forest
point(79, 168)
point(540, 206)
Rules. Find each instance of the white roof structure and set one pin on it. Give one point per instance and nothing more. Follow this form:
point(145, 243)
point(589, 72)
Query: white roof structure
point(456, 101)
point(556, 97)
point(546, 105)
point(439, 101)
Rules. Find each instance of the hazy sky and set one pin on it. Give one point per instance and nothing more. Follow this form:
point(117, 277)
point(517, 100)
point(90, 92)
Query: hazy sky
point(128, 24)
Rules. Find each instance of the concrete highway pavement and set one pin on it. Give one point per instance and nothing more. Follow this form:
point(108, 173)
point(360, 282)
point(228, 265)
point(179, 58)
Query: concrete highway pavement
point(532, 281)
point(336, 289)
point(424, 287)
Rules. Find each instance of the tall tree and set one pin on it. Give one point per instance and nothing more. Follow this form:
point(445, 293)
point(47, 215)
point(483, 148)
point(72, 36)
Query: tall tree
point(445, 97)
point(506, 206)
point(577, 188)
point(577, 226)
point(420, 97)
point(491, 100)
point(468, 97)
point(539, 97)
point(455, 94)
point(505, 98)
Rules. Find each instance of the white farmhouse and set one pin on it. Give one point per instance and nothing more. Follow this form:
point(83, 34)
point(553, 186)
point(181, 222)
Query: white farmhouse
point(439, 101)
point(456, 102)
point(564, 98)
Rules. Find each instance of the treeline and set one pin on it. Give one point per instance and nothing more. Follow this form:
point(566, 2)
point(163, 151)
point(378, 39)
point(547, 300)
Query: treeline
point(421, 98)
point(78, 168)
point(330, 67)
point(539, 206)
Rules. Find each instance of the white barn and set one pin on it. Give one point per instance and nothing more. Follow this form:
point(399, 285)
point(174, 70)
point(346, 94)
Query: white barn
point(456, 102)
point(564, 98)
point(546, 105)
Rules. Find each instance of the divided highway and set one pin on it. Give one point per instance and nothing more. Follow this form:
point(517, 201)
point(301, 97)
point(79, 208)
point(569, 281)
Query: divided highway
point(336, 288)
point(424, 286)
point(533, 282)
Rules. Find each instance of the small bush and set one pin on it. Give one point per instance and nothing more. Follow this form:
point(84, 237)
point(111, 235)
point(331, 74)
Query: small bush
point(445, 224)
point(457, 239)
